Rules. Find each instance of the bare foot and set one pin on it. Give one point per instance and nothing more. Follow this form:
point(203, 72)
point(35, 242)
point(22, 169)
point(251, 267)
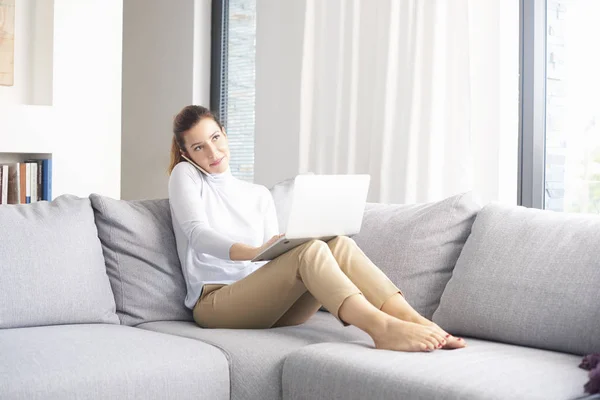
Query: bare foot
point(407, 336)
point(452, 342)
point(398, 307)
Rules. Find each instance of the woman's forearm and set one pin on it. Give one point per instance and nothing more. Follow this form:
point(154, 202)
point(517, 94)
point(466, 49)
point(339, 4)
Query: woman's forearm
point(242, 252)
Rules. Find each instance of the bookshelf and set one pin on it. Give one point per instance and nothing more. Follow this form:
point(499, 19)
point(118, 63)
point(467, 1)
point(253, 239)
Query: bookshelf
point(25, 177)
point(6, 158)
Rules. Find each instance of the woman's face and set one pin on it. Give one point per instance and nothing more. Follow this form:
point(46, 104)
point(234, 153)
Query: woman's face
point(207, 146)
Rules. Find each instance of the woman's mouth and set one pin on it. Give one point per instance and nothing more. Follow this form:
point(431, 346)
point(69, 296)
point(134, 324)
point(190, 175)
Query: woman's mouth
point(217, 162)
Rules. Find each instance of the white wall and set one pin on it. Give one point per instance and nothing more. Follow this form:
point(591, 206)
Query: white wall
point(82, 127)
point(202, 40)
point(279, 51)
point(42, 52)
point(166, 66)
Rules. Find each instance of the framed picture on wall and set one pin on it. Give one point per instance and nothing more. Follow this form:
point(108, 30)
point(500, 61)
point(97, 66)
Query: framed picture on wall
point(7, 42)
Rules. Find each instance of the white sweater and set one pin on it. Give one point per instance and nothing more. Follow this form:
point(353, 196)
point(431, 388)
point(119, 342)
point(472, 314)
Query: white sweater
point(211, 213)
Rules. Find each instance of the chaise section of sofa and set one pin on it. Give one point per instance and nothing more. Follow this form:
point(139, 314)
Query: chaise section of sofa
point(102, 361)
point(524, 292)
point(482, 371)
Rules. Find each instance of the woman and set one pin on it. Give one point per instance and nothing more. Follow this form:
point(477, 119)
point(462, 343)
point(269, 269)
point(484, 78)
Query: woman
point(221, 223)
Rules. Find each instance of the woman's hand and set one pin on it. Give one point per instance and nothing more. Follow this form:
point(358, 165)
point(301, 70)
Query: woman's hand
point(243, 252)
point(268, 244)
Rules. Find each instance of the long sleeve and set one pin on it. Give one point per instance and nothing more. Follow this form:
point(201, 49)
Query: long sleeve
point(271, 224)
point(189, 213)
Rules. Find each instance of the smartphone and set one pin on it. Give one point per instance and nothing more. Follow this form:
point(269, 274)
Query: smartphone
point(194, 164)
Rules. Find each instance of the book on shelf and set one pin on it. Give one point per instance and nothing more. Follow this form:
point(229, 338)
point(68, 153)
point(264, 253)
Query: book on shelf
point(22, 183)
point(3, 184)
point(46, 179)
point(26, 182)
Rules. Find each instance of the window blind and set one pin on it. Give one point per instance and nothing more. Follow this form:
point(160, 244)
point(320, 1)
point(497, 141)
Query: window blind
point(233, 76)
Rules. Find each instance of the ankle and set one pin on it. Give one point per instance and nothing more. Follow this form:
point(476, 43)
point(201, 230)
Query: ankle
point(409, 316)
point(379, 325)
point(398, 307)
point(417, 319)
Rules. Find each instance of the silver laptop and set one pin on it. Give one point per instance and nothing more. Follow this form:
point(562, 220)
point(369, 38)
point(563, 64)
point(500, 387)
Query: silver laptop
point(323, 207)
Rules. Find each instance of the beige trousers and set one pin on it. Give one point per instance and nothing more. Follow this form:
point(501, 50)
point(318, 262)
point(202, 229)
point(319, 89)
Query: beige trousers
point(291, 288)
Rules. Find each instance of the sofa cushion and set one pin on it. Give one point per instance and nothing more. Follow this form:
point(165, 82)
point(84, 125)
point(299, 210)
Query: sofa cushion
point(141, 259)
point(417, 245)
point(528, 277)
point(108, 362)
point(52, 269)
point(256, 355)
point(481, 371)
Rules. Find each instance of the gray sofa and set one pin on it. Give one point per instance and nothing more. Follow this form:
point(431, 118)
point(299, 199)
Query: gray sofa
point(91, 307)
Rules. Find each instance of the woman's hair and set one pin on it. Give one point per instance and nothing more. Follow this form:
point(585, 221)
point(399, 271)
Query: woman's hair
point(187, 118)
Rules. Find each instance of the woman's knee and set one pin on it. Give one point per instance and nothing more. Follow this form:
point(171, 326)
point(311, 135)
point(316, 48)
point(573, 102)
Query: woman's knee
point(312, 249)
point(341, 241)
point(315, 245)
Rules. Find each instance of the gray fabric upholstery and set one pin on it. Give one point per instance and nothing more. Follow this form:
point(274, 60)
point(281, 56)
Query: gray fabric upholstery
point(256, 356)
point(528, 277)
point(417, 245)
point(108, 362)
point(483, 370)
point(51, 265)
point(141, 259)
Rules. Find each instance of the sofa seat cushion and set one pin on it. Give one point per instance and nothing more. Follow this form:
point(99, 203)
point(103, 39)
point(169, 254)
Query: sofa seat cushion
point(104, 361)
point(483, 370)
point(256, 356)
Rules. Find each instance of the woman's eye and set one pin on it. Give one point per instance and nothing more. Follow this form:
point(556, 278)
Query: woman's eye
point(216, 137)
point(198, 148)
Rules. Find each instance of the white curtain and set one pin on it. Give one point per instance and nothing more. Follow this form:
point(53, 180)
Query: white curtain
point(420, 94)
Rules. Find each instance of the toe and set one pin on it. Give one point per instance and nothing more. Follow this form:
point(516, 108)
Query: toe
point(427, 346)
point(432, 343)
point(455, 343)
point(439, 338)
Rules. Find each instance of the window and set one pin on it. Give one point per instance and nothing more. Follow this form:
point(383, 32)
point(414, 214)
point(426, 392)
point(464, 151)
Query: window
point(233, 78)
point(560, 129)
point(572, 107)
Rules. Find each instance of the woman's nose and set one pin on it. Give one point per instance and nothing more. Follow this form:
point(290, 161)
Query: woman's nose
point(211, 151)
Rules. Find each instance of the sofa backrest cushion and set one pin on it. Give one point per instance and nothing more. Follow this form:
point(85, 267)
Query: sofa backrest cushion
point(417, 245)
point(528, 277)
point(51, 265)
point(141, 259)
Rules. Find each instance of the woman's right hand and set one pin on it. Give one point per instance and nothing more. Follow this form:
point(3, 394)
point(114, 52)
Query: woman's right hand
point(242, 252)
point(268, 243)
